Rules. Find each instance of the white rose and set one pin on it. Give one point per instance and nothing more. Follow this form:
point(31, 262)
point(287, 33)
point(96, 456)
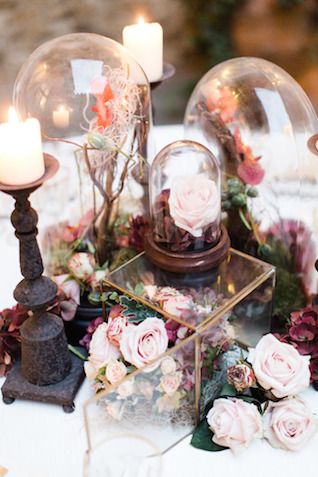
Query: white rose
point(126, 388)
point(168, 365)
point(289, 424)
point(115, 371)
point(279, 367)
point(82, 265)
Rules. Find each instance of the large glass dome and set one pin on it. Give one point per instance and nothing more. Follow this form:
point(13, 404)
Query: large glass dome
point(93, 100)
point(257, 120)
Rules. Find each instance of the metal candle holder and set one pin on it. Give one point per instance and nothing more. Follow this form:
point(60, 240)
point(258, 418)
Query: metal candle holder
point(47, 371)
point(168, 71)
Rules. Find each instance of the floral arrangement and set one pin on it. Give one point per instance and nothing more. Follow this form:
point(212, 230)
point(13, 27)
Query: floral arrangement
point(287, 244)
point(115, 136)
point(186, 216)
point(261, 401)
point(135, 338)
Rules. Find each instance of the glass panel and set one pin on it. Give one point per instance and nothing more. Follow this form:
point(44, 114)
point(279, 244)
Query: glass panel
point(193, 298)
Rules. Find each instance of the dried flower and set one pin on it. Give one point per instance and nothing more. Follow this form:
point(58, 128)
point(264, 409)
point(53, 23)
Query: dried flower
point(241, 376)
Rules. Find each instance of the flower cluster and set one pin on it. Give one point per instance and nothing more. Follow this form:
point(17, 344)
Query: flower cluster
point(11, 320)
point(262, 401)
point(302, 332)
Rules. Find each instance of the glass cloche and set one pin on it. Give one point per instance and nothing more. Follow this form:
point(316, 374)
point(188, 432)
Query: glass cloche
point(185, 204)
point(257, 121)
point(93, 99)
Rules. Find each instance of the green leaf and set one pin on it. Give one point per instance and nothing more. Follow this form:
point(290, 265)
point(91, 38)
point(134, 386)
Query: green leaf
point(243, 219)
point(94, 298)
point(139, 289)
point(228, 390)
point(114, 296)
point(202, 438)
point(77, 352)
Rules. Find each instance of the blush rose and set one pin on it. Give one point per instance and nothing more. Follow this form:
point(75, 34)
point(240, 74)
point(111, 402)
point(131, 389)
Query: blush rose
point(115, 371)
point(176, 305)
point(143, 343)
point(82, 265)
point(194, 203)
point(279, 367)
point(101, 352)
point(116, 326)
point(289, 424)
point(235, 423)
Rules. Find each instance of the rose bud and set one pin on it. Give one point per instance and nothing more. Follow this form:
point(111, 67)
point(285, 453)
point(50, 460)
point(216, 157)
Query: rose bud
point(241, 376)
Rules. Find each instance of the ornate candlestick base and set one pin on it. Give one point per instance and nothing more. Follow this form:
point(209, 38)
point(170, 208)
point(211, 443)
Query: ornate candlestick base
point(47, 372)
point(185, 262)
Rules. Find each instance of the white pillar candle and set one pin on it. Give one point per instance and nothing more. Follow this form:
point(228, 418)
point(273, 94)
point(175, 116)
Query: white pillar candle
point(21, 157)
point(145, 42)
point(61, 117)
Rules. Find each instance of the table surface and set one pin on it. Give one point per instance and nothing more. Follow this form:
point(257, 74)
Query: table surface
point(39, 440)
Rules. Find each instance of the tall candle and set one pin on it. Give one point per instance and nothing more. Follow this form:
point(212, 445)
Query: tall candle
point(21, 157)
point(145, 42)
point(61, 117)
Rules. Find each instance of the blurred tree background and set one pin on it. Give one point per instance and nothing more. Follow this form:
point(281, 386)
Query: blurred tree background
point(197, 35)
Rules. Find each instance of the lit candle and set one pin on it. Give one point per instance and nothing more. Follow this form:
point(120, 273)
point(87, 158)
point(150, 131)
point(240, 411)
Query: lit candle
point(21, 157)
point(144, 41)
point(61, 117)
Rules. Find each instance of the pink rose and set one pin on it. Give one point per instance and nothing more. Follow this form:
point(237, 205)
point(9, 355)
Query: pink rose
point(116, 326)
point(115, 371)
point(289, 424)
point(115, 410)
point(176, 305)
point(235, 423)
point(169, 383)
point(69, 296)
point(279, 367)
point(81, 265)
point(194, 203)
point(145, 342)
point(101, 352)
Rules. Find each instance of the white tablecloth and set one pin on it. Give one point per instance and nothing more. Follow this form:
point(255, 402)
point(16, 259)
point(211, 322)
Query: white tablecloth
point(39, 440)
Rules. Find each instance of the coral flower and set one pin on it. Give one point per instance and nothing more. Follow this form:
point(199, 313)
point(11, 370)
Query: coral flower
point(104, 114)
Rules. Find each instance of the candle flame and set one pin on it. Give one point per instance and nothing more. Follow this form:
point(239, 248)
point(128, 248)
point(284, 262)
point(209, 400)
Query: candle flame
point(61, 108)
point(141, 20)
point(12, 116)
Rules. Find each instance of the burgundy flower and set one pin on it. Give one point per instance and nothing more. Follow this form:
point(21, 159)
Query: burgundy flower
point(85, 341)
point(138, 227)
point(314, 370)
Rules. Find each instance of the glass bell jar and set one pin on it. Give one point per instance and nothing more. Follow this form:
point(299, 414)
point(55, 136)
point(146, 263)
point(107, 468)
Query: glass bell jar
point(93, 101)
point(185, 207)
point(257, 121)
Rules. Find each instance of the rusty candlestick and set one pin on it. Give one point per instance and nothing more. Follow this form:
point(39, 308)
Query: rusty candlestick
point(48, 372)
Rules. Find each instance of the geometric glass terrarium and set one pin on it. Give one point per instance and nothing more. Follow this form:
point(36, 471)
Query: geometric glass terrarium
point(204, 314)
point(93, 100)
point(185, 208)
point(257, 120)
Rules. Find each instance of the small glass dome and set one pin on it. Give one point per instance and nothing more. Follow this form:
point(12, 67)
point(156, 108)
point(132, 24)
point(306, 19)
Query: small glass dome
point(257, 120)
point(185, 197)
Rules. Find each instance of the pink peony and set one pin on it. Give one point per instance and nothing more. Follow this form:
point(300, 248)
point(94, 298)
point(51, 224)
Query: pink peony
point(194, 203)
point(144, 343)
point(235, 423)
point(279, 367)
point(82, 265)
point(101, 352)
point(289, 424)
point(177, 305)
point(115, 371)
